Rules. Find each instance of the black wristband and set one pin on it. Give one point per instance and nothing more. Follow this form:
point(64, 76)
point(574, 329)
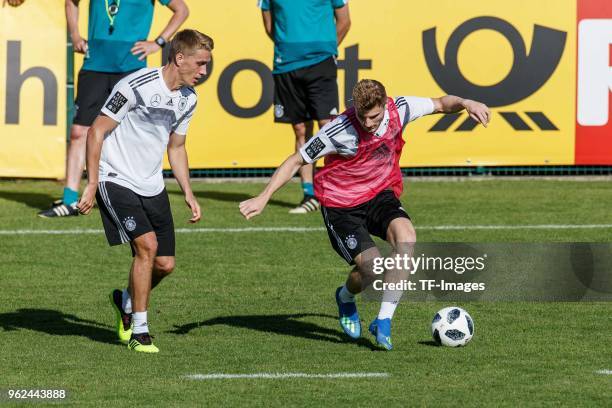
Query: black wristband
point(160, 41)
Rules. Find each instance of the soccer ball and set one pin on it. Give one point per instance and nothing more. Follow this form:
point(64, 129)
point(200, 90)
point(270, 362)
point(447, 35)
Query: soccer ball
point(452, 327)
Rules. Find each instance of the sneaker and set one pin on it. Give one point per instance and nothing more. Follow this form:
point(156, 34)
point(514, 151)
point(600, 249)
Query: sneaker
point(124, 320)
point(308, 204)
point(381, 329)
point(142, 342)
point(348, 317)
point(61, 210)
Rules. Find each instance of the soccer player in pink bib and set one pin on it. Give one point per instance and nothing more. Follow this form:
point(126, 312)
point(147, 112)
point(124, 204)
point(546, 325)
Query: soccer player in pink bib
point(359, 188)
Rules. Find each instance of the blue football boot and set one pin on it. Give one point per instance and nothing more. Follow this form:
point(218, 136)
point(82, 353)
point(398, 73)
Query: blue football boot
point(381, 329)
point(348, 317)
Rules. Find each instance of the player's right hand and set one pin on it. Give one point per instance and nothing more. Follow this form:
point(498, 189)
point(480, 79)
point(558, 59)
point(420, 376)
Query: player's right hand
point(252, 207)
point(86, 202)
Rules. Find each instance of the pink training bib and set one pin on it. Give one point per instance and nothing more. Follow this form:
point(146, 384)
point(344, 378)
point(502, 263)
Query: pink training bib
point(349, 181)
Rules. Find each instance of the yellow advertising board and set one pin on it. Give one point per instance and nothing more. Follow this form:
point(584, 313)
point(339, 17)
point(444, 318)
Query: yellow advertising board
point(519, 57)
point(499, 46)
point(33, 90)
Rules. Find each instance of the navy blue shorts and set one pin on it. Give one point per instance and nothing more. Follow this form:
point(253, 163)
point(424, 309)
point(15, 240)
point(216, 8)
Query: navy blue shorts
point(349, 229)
point(127, 215)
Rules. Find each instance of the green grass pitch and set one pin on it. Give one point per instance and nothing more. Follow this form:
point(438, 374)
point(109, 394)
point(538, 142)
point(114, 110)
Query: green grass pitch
point(262, 302)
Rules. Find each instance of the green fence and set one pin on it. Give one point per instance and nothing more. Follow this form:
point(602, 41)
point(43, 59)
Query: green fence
point(431, 171)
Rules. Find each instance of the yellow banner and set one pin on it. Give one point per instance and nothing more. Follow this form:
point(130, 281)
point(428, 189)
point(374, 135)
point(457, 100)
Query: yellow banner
point(518, 56)
point(33, 91)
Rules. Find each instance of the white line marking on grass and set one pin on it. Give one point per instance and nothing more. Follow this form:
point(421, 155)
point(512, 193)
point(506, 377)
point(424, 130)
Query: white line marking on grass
point(50, 232)
point(604, 372)
point(316, 229)
point(275, 376)
point(513, 227)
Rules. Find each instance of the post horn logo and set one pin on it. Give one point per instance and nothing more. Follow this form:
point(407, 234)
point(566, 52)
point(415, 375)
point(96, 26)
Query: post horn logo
point(529, 72)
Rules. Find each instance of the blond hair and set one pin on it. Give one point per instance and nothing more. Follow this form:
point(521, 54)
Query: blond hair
point(188, 41)
point(367, 94)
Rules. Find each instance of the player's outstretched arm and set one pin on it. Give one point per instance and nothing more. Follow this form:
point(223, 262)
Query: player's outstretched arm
point(451, 104)
point(102, 126)
point(177, 156)
point(254, 206)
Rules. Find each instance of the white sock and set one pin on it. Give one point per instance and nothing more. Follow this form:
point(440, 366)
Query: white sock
point(140, 322)
point(126, 301)
point(346, 296)
point(387, 309)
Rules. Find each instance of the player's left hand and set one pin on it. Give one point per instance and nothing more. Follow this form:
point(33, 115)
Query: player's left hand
point(85, 204)
point(478, 111)
point(193, 205)
point(144, 48)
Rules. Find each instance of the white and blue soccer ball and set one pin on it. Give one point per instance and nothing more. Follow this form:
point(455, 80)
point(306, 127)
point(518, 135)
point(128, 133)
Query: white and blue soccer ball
point(452, 327)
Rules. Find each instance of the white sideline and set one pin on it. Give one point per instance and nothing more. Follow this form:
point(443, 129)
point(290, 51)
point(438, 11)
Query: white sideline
point(282, 376)
point(604, 372)
point(314, 229)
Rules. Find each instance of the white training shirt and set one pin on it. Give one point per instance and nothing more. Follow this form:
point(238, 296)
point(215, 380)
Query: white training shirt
point(340, 137)
point(147, 113)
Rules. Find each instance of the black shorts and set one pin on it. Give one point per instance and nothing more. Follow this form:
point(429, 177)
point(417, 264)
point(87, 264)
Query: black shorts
point(93, 89)
point(309, 93)
point(349, 229)
point(127, 215)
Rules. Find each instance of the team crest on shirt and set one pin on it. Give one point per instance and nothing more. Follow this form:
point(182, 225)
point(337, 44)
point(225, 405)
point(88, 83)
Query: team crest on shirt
point(155, 100)
point(279, 111)
point(129, 223)
point(351, 242)
point(182, 103)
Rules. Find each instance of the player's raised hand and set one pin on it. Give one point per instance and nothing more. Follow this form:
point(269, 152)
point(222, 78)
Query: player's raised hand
point(252, 207)
point(86, 202)
point(478, 111)
point(144, 48)
point(193, 205)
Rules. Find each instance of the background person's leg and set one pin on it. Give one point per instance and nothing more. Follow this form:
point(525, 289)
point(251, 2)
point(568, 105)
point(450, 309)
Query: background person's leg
point(303, 132)
point(75, 162)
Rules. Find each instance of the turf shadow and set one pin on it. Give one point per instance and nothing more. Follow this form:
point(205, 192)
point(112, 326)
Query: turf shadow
point(286, 324)
point(56, 323)
point(232, 197)
point(33, 200)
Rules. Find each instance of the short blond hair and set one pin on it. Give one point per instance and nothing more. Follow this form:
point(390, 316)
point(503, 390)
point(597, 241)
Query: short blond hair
point(367, 94)
point(188, 42)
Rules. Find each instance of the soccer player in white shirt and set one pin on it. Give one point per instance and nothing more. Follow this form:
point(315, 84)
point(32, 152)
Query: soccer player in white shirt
point(147, 113)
